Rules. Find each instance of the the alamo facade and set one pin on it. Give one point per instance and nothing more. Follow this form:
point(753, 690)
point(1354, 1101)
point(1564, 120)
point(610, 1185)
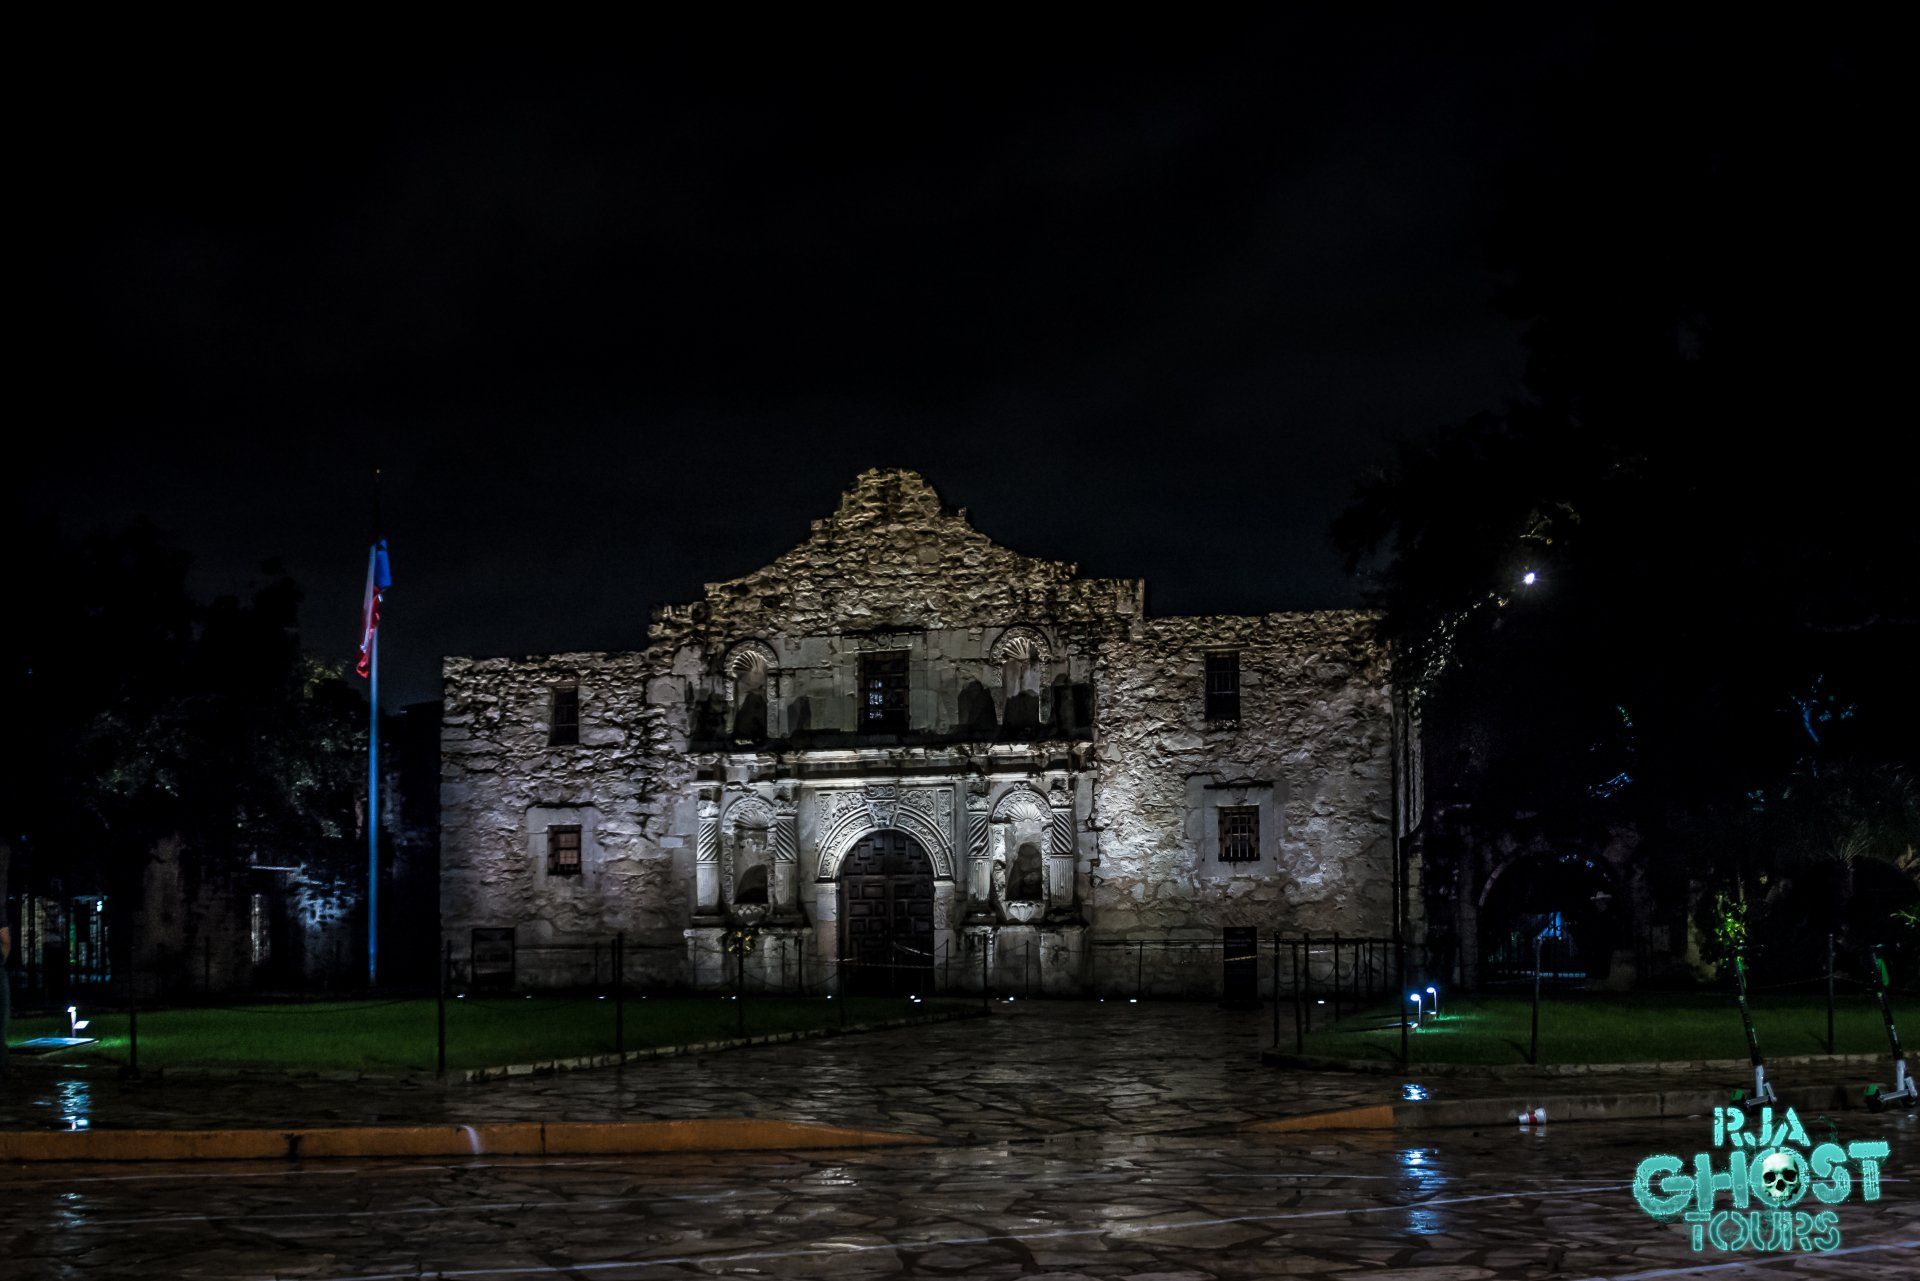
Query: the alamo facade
point(904, 747)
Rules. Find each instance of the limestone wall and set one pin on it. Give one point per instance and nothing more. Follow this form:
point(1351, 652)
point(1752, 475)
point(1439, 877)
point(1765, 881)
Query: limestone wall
point(1312, 750)
point(891, 557)
point(624, 784)
point(992, 638)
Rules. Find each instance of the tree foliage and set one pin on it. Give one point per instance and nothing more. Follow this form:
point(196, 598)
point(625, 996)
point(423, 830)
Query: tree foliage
point(1716, 645)
point(153, 715)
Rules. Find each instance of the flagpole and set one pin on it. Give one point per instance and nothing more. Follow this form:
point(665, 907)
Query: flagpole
point(373, 813)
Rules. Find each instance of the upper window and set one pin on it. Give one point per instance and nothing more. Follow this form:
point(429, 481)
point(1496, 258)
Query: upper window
point(564, 727)
point(1239, 833)
point(883, 693)
point(1223, 687)
point(563, 851)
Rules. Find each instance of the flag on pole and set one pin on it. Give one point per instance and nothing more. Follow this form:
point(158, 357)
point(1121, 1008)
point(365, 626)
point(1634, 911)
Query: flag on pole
point(379, 578)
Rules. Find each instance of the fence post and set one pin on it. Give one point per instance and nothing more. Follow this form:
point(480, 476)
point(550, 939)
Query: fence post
point(620, 996)
point(1400, 988)
point(440, 1009)
point(1276, 989)
point(1829, 992)
point(740, 986)
point(1139, 968)
point(1306, 991)
point(1533, 1038)
point(1336, 976)
point(986, 1000)
point(840, 981)
point(1026, 970)
point(1299, 1025)
point(133, 1012)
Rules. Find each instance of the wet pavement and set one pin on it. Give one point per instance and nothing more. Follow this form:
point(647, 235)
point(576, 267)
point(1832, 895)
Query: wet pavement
point(1033, 1068)
point(1075, 1141)
point(1458, 1206)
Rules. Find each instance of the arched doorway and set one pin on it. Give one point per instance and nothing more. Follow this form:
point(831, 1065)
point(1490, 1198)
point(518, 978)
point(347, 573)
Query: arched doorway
point(886, 916)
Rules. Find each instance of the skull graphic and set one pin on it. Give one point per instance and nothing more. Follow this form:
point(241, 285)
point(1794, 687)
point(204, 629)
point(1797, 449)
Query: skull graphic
point(1780, 1176)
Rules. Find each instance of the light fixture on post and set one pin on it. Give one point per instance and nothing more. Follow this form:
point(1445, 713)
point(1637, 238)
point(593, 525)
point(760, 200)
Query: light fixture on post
point(1419, 1010)
point(1433, 999)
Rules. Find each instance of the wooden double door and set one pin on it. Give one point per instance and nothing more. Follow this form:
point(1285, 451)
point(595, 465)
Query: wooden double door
point(886, 916)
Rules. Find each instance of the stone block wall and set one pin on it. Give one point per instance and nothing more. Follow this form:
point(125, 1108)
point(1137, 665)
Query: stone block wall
point(1311, 749)
point(623, 785)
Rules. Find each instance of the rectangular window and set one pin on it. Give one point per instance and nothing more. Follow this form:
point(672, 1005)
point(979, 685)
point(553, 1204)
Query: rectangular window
point(563, 851)
point(563, 730)
point(1223, 687)
point(1239, 833)
point(883, 693)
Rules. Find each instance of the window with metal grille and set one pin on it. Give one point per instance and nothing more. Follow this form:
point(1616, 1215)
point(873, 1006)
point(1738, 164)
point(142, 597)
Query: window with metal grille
point(1223, 687)
point(1239, 834)
point(564, 728)
point(563, 851)
point(883, 693)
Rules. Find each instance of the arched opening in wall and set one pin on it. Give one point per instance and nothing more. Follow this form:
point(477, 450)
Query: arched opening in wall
point(886, 916)
point(1020, 675)
point(1569, 902)
point(751, 889)
point(749, 672)
point(977, 716)
point(1026, 879)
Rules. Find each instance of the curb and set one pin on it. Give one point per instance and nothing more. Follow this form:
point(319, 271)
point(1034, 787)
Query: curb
point(469, 1076)
point(517, 1138)
point(1517, 1109)
point(1524, 1072)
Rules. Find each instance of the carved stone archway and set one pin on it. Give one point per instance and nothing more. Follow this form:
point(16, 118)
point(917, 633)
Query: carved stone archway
point(924, 813)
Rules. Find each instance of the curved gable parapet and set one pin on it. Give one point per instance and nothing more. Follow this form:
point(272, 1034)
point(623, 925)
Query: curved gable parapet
point(893, 557)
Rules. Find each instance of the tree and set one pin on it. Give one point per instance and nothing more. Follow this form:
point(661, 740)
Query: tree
point(1615, 599)
point(152, 716)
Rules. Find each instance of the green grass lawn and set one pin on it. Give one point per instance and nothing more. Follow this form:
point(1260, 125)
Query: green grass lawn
point(398, 1036)
point(1581, 1028)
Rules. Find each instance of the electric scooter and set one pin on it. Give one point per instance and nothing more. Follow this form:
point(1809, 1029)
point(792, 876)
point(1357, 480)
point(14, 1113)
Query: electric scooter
point(1762, 1091)
point(1904, 1091)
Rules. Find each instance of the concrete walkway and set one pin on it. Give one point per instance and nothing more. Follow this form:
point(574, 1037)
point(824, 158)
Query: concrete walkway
point(1033, 1069)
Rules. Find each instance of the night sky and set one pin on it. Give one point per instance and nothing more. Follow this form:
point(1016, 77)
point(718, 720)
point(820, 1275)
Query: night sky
point(616, 323)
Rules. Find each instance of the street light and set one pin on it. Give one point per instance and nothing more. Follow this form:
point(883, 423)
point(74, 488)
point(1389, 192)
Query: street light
point(1419, 1011)
point(1433, 998)
point(1529, 578)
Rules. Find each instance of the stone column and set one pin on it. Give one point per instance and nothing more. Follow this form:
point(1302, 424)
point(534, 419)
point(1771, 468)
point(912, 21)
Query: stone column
point(706, 865)
point(783, 886)
point(979, 866)
point(1060, 853)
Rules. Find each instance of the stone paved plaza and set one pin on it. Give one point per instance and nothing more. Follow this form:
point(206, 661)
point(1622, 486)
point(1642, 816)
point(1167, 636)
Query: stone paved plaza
point(1074, 1141)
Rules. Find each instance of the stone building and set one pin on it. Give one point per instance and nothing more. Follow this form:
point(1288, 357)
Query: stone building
point(905, 747)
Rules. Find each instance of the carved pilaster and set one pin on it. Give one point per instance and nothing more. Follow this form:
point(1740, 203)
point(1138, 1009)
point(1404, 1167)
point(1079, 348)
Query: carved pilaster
point(979, 886)
point(706, 859)
point(1060, 850)
point(786, 859)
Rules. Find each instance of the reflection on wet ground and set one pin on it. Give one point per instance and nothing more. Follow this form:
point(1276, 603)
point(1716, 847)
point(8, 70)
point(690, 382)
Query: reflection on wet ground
point(1453, 1206)
point(1071, 1144)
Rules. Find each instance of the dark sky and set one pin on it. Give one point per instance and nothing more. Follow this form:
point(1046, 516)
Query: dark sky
point(621, 319)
